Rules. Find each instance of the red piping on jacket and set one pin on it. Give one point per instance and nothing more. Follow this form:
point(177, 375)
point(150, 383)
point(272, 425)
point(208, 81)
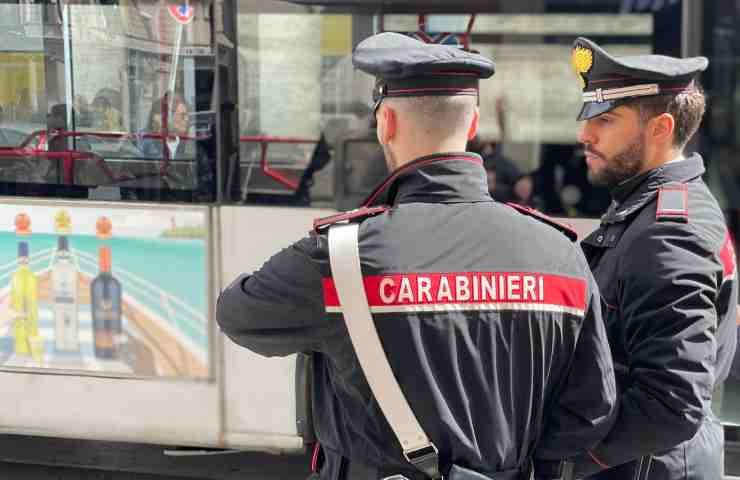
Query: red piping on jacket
point(315, 458)
point(409, 166)
point(597, 461)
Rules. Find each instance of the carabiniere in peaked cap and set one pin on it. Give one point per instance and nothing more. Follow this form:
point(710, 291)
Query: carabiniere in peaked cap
point(609, 81)
point(406, 67)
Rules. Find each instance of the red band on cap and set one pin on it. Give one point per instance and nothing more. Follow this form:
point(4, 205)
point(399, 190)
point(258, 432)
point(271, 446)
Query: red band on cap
point(455, 74)
point(460, 91)
point(612, 79)
point(686, 89)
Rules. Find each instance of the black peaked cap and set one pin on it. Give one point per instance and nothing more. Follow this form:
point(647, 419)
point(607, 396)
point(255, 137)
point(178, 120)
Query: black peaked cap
point(610, 81)
point(394, 56)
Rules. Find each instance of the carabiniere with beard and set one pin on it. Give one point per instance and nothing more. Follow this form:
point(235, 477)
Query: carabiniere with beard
point(665, 264)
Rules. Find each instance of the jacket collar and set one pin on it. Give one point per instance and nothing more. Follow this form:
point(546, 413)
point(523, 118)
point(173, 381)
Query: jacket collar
point(440, 178)
point(633, 194)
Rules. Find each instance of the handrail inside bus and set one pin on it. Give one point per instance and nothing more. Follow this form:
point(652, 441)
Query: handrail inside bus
point(265, 141)
point(404, 6)
point(68, 157)
point(424, 36)
point(36, 144)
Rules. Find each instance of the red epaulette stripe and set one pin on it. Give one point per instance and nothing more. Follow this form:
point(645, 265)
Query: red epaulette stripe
point(361, 212)
point(567, 229)
point(727, 256)
point(462, 291)
point(666, 212)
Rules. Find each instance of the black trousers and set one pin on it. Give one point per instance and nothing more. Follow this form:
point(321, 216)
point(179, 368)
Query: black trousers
point(697, 459)
point(337, 467)
point(357, 471)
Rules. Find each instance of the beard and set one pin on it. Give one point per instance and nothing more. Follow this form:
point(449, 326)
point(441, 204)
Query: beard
point(620, 167)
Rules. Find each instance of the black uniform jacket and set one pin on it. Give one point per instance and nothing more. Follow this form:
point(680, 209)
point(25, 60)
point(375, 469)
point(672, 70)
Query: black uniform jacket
point(490, 319)
point(666, 270)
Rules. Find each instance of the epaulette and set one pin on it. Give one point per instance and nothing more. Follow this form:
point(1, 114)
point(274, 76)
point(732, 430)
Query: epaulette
point(566, 229)
point(673, 203)
point(355, 215)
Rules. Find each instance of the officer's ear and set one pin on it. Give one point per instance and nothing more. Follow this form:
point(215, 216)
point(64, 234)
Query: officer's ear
point(387, 124)
point(474, 124)
point(661, 128)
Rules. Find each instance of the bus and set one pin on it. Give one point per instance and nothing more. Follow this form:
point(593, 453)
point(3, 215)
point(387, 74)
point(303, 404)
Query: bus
point(152, 150)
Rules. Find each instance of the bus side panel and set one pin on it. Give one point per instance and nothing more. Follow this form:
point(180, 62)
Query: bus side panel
point(115, 409)
point(260, 393)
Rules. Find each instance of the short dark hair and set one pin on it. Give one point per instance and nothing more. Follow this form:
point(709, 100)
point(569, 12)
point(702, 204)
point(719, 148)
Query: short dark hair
point(687, 109)
point(438, 115)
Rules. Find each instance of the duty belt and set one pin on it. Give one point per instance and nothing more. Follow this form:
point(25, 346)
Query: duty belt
point(360, 471)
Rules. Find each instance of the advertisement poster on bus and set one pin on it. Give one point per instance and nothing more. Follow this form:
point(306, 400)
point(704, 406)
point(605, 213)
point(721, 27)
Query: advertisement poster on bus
point(115, 291)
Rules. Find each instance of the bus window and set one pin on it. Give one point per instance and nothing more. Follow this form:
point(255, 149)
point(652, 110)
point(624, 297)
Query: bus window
point(107, 101)
point(305, 133)
point(297, 101)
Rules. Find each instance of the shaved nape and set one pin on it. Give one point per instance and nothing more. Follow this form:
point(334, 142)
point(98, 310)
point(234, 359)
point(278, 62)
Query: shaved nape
point(441, 116)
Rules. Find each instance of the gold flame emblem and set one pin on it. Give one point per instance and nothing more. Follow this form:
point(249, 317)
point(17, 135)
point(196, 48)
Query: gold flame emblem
point(582, 60)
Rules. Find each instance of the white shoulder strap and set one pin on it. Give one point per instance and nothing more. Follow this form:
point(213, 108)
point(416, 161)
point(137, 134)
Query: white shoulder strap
point(344, 257)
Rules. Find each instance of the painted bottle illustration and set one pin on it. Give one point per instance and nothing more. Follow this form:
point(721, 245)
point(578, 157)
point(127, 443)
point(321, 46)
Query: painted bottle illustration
point(64, 299)
point(105, 296)
point(24, 300)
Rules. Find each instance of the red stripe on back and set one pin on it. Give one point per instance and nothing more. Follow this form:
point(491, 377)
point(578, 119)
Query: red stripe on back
point(331, 298)
point(468, 288)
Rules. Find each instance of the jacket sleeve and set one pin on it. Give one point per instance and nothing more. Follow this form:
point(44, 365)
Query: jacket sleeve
point(279, 309)
point(585, 407)
point(669, 283)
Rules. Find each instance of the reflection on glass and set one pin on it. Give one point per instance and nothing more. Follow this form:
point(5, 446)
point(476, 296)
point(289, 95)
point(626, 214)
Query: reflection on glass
point(80, 83)
point(297, 85)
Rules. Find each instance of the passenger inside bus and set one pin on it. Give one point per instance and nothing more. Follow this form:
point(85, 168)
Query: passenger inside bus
point(106, 112)
point(194, 165)
point(180, 144)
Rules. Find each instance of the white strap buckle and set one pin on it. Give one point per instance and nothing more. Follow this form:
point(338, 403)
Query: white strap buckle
point(417, 453)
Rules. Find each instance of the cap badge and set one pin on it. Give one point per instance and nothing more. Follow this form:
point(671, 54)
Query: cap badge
point(582, 60)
